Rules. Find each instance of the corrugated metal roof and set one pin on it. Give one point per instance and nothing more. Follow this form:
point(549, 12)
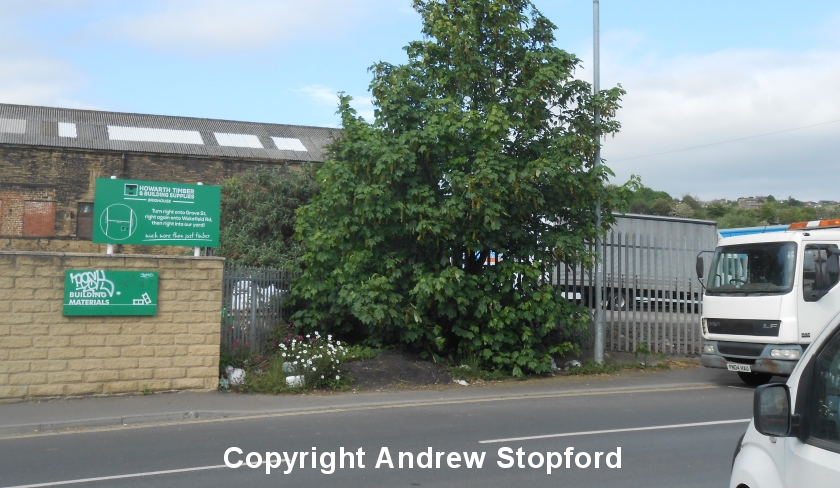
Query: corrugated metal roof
point(115, 131)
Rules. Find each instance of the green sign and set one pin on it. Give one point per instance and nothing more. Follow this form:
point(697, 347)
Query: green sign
point(156, 214)
point(99, 292)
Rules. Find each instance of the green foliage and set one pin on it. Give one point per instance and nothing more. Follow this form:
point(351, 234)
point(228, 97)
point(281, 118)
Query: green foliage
point(483, 143)
point(767, 212)
point(258, 216)
point(643, 200)
point(738, 217)
point(716, 210)
point(828, 212)
point(797, 214)
point(358, 353)
point(692, 202)
point(591, 367)
point(681, 210)
point(662, 207)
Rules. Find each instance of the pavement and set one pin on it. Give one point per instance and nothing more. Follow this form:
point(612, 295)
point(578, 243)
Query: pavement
point(41, 417)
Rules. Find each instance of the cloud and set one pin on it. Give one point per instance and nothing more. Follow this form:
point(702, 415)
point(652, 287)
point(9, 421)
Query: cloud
point(675, 103)
point(325, 97)
point(28, 76)
point(214, 26)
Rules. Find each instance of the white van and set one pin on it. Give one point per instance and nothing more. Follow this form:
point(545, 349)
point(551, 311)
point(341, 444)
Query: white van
point(794, 437)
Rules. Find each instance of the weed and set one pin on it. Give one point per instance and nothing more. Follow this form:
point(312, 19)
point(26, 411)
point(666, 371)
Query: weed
point(471, 368)
point(146, 390)
point(358, 353)
point(312, 361)
point(591, 367)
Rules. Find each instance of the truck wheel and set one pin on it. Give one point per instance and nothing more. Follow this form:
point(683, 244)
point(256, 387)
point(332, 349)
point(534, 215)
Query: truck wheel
point(755, 379)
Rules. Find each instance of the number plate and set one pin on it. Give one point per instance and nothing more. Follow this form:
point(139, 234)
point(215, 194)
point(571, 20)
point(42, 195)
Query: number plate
point(743, 368)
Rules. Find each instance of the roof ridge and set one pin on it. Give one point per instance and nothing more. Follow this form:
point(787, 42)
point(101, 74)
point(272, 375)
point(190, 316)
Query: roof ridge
point(164, 116)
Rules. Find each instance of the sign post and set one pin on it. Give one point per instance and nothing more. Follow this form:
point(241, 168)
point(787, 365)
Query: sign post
point(156, 214)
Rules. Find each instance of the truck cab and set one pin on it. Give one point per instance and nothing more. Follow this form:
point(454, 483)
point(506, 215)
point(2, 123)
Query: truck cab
point(767, 296)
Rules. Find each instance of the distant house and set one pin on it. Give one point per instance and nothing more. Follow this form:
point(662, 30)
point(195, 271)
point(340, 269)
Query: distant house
point(50, 159)
point(751, 202)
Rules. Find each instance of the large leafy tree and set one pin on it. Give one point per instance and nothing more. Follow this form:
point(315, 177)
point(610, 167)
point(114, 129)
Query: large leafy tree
point(481, 151)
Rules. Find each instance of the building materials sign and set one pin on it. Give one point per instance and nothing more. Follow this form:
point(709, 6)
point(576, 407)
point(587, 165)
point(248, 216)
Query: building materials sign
point(100, 292)
point(156, 214)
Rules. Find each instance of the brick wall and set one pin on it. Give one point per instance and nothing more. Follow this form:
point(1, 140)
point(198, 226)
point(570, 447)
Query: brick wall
point(70, 175)
point(44, 354)
point(13, 203)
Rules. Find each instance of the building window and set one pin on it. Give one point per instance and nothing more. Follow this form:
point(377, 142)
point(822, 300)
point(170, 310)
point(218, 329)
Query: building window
point(84, 221)
point(38, 218)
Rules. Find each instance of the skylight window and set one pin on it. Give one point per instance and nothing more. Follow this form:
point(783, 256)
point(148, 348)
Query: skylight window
point(148, 134)
point(238, 140)
point(66, 129)
point(13, 126)
point(289, 144)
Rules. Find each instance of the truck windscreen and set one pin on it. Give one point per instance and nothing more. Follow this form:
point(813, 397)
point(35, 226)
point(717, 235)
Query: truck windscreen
point(766, 267)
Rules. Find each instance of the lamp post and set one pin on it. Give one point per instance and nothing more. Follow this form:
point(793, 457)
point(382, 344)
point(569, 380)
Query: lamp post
point(599, 301)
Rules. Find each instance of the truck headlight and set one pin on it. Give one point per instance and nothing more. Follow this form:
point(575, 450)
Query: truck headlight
point(784, 353)
point(708, 349)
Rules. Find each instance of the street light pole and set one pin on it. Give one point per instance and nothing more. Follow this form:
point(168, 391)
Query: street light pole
point(599, 301)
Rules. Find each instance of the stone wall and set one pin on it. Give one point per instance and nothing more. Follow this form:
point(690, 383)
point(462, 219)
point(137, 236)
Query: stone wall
point(44, 354)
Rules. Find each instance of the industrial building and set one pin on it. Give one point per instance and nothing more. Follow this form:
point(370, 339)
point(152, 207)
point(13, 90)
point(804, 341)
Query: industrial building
point(50, 159)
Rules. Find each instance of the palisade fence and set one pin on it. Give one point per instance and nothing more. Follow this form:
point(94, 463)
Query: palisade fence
point(650, 293)
point(253, 303)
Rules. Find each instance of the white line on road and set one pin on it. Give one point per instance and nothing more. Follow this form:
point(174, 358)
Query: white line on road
point(121, 476)
point(613, 431)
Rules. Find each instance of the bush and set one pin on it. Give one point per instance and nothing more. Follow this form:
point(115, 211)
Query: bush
point(258, 216)
point(313, 357)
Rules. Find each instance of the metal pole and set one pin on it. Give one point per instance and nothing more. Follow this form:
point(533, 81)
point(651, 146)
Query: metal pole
point(109, 248)
point(197, 250)
point(599, 302)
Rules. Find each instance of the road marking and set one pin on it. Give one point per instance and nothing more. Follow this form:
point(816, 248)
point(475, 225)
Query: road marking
point(83, 430)
point(119, 477)
point(613, 431)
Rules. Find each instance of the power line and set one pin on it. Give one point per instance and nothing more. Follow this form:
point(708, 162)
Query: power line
point(726, 142)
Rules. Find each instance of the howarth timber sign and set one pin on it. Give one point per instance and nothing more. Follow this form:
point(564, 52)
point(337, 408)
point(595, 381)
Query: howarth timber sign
point(156, 214)
point(100, 292)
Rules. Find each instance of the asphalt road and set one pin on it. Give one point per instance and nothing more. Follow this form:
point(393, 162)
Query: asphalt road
point(689, 456)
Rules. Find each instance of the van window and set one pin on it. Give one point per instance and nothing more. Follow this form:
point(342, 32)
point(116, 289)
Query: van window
point(809, 269)
point(825, 403)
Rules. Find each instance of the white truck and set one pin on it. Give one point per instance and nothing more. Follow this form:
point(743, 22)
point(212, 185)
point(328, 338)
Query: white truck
point(767, 296)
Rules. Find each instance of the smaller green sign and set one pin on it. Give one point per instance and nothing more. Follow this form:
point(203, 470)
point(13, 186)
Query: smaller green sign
point(101, 292)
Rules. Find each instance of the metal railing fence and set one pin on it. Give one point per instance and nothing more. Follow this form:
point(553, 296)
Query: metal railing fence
point(252, 304)
point(650, 293)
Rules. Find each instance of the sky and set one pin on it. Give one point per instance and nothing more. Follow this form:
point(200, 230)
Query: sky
point(708, 73)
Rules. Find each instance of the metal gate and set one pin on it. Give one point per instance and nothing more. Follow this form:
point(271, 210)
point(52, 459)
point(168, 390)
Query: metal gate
point(252, 304)
point(650, 293)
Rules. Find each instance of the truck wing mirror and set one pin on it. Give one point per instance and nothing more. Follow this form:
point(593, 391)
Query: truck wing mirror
point(700, 267)
point(771, 410)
